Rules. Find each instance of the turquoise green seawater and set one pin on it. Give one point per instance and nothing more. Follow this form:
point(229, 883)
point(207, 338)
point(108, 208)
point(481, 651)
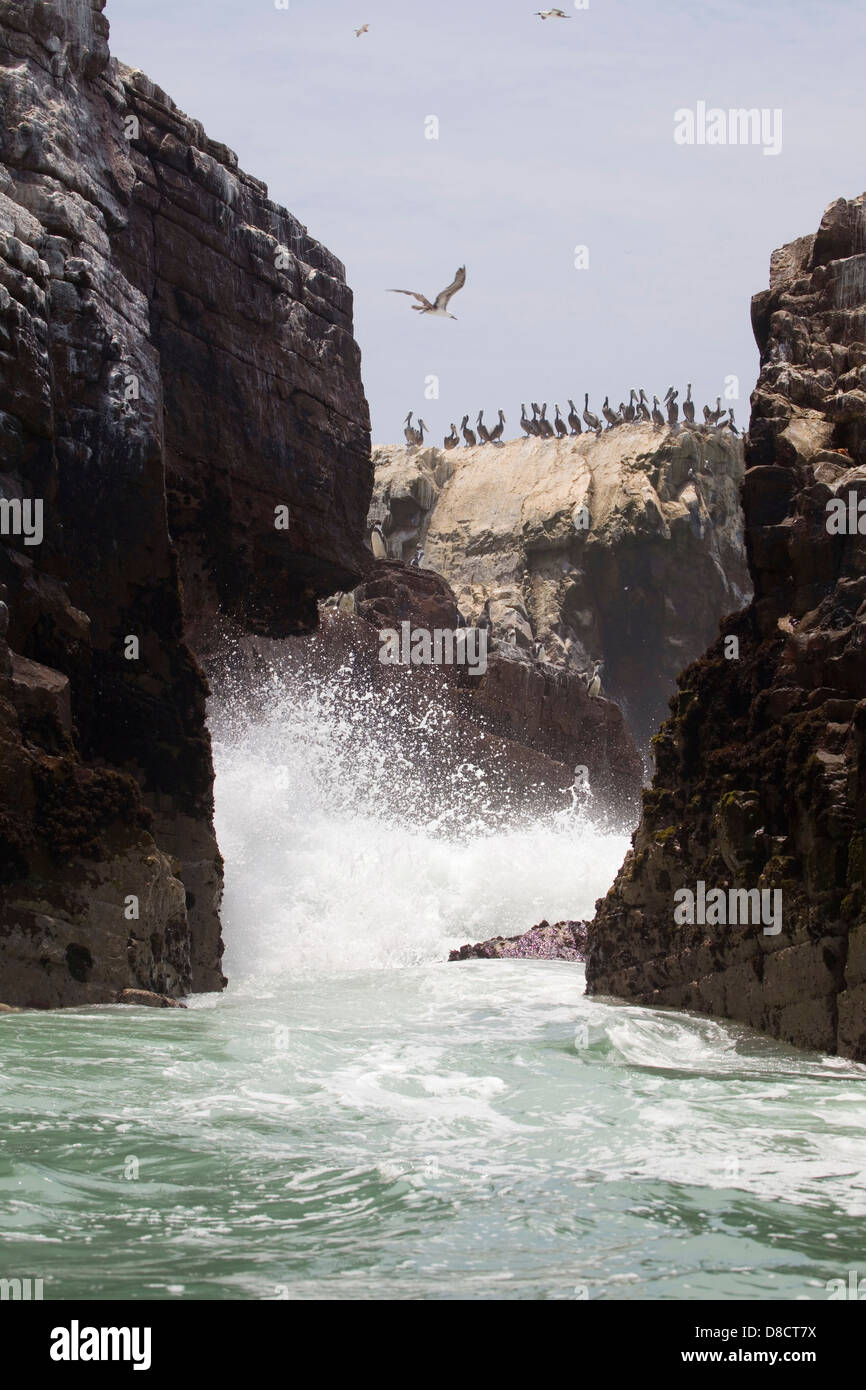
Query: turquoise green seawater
point(355, 1118)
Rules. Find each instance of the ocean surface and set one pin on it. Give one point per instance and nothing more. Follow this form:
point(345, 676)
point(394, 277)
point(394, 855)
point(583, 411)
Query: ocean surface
point(356, 1118)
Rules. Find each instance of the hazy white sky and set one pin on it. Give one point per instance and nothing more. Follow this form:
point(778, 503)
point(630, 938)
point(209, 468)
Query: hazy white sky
point(552, 134)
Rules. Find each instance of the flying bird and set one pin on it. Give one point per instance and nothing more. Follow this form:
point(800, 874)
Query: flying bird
point(439, 306)
point(552, 14)
point(363, 30)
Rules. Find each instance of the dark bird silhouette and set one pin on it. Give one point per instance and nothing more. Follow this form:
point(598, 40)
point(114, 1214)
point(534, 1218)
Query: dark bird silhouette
point(591, 421)
point(468, 434)
point(689, 406)
point(574, 418)
point(559, 424)
point(498, 429)
point(485, 621)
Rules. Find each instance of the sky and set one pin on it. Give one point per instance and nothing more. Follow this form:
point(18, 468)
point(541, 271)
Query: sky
point(552, 135)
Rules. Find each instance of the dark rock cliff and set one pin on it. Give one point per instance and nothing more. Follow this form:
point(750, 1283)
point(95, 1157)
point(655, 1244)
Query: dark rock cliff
point(761, 778)
point(506, 739)
point(180, 396)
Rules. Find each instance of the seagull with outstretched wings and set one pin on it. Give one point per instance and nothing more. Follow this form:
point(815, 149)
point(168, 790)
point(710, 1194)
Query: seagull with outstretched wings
point(439, 306)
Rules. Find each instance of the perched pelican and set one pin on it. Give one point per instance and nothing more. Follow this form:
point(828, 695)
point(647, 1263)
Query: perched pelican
point(468, 434)
point(419, 433)
point(364, 29)
point(378, 543)
point(643, 406)
point(552, 14)
point(658, 418)
point(497, 431)
point(527, 425)
point(408, 430)
point(689, 406)
point(439, 307)
point(559, 424)
point(608, 414)
point(591, 421)
point(546, 427)
point(730, 422)
point(673, 408)
point(630, 410)
point(716, 415)
point(668, 393)
point(536, 426)
point(708, 417)
point(453, 439)
point(573, 417)
point(483, 431)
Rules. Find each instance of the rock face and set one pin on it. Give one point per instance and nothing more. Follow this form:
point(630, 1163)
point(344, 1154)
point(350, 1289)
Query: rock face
point(534, 706)
point(562, 941)
point(462, 747)
point(180, 397)
point(583, 543)
point(761, 778)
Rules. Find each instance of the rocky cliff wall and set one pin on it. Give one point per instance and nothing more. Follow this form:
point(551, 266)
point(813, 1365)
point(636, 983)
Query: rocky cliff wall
point(180, 395)
point(627, 546)
point(761, 779)
point(463, 748)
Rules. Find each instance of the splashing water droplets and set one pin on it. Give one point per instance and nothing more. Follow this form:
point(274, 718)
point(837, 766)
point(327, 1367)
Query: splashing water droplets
point(350, 845)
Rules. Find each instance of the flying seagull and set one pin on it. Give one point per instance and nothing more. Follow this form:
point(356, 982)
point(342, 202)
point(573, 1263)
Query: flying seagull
point(363, 30)
point(552, 14)
point(439, 307)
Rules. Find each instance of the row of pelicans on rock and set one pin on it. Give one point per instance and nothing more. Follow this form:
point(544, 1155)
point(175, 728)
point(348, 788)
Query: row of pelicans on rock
point(638, 410)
